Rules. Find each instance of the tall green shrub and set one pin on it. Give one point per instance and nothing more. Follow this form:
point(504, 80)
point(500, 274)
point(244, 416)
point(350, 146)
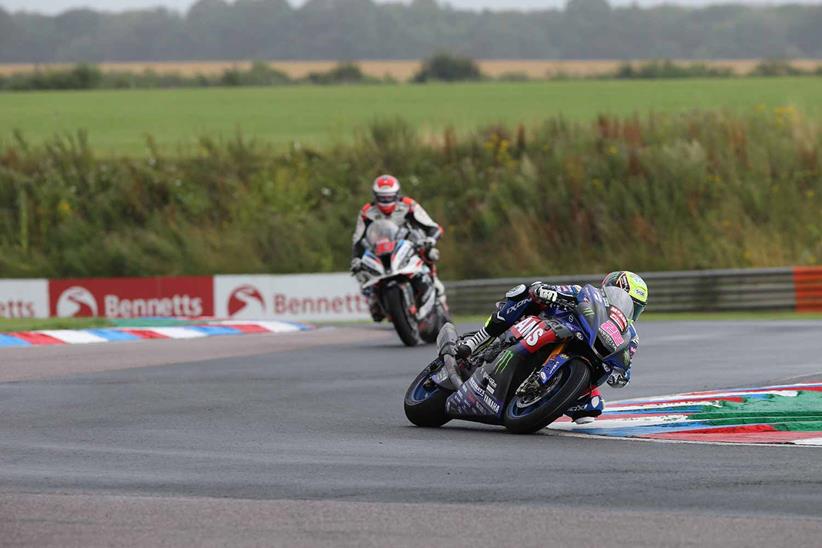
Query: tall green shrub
point(656, 192)
point(448, 68)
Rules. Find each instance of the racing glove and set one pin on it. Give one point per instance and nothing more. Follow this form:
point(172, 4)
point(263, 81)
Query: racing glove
point(619, 378)
point(428, 243)
point(546, 295)
point(356, 265)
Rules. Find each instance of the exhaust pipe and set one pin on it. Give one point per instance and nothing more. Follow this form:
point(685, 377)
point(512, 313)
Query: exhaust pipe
point(447, 345)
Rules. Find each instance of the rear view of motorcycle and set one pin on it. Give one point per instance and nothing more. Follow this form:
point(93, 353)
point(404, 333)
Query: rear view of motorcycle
point(403, 283)
point(530, 375)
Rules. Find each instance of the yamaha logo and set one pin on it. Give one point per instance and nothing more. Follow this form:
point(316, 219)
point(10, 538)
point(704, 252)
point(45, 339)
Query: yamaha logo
point(247, 301)
point(76, 302)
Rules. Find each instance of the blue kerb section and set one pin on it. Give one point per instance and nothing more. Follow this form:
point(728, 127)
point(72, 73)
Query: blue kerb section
point(8, 340)
point(300, 326)
point(114, 334)
point(215, 330)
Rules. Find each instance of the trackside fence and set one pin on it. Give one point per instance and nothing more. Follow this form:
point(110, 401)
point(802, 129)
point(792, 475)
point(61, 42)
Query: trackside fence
point(336, 296)
point(766, 289)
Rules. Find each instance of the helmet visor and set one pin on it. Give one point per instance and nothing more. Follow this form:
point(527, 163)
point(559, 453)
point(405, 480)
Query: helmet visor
point(638, 309)
point(386, 199)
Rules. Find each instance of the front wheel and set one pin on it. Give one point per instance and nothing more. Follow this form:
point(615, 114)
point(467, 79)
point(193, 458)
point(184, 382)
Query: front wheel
point(406, 327)
point(538, 407)
point(438, 319)
point(425, 402)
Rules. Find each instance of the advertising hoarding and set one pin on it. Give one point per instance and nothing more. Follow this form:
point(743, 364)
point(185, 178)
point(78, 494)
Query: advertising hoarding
point(309, 297)
point(24, 299)
point(188, 297)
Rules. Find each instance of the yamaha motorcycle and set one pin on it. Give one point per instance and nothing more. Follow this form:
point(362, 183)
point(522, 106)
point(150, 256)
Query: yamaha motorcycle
point(531, 375)
point(403, 282)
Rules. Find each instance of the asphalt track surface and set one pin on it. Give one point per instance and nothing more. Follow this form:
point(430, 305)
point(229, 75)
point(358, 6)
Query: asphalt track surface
point(301, 441)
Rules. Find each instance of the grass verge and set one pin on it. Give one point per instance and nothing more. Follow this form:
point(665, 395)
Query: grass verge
point(34, 324)
point(119, 120)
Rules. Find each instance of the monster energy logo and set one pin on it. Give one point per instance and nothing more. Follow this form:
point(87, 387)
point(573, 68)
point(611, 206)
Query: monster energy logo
point(503, 361)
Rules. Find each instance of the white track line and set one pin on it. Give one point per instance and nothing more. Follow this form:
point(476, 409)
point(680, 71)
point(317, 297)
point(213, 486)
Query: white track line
point(71, 336)
point(178, 332)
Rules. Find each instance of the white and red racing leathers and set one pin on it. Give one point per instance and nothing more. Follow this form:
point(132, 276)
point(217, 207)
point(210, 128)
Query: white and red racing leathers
point(407, 213)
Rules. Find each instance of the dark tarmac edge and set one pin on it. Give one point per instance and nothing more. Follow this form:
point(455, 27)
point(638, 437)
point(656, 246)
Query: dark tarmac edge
point(44, 362)
point(82, 520)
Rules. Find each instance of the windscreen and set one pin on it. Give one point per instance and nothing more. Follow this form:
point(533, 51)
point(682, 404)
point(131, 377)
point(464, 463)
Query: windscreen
point(606, 313)
point(381, 230)
point(620, 299)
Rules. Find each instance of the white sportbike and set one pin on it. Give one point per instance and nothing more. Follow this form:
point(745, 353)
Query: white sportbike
point(402, 282)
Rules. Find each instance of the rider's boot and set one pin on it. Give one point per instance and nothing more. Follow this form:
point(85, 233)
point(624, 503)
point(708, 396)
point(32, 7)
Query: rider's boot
point(440, 287)
point(587, 408)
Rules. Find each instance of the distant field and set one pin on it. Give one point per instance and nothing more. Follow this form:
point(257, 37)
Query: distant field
point(118, 121)
point(401, 70)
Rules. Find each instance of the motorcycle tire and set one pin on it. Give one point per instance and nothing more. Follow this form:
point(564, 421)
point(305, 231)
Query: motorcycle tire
point(399, 316)
point(527, 419)
point(425, 406)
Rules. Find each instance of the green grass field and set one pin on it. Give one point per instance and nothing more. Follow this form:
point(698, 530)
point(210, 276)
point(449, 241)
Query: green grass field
point(33, 324)
point(118, 121)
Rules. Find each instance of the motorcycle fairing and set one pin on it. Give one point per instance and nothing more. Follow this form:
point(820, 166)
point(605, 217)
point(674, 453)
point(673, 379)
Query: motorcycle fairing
point(403, 262)
point(602, 325)
point(475, 399)
point(483, 396)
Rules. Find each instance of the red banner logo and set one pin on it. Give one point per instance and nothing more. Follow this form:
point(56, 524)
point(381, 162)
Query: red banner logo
point(183, 297)
point(246, 300)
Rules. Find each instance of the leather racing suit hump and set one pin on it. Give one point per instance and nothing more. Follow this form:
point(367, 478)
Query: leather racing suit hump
point(407, 213)
point(539, 298)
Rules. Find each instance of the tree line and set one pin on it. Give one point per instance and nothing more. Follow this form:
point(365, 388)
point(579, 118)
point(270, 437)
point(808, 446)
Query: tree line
point(362, 29)
point(439, 68)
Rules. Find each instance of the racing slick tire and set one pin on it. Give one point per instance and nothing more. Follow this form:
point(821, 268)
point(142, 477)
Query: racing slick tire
point(406, 328)
point(526, 415)
point(425, 402)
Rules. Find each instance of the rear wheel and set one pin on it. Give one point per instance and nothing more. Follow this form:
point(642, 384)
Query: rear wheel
point(425, 402)
point(534, 407)
point(405, 326)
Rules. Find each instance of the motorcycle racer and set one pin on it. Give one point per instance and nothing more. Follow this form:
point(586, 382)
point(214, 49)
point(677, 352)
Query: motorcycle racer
point(389, 204)
point(539, 298)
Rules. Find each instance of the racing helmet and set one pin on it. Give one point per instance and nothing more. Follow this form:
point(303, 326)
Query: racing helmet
point(633, 285)
point(386, 193)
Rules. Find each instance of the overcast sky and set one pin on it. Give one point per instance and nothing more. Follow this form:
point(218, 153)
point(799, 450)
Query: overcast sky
point(56, 6)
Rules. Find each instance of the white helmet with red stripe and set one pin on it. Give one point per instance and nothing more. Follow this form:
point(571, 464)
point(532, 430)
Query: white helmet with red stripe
point(386, 193)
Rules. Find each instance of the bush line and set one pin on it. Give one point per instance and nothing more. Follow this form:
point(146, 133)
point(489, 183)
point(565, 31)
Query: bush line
point(657, 192)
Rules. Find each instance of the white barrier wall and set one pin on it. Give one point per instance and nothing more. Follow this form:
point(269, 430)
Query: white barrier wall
point(309, 297)
point(24, 299)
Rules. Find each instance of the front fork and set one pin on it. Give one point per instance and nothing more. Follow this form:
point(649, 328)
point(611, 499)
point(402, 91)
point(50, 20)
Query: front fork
point(552, 365)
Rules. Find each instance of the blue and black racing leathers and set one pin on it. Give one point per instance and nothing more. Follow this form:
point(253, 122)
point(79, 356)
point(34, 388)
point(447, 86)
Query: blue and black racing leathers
point(541, 298)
